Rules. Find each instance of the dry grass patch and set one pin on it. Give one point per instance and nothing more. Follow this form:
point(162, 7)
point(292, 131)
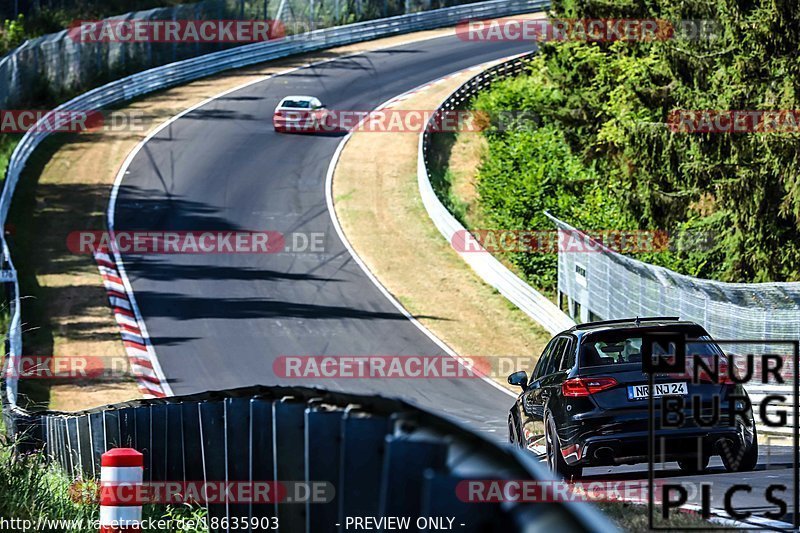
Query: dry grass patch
point(465, 157)
point(378, 205)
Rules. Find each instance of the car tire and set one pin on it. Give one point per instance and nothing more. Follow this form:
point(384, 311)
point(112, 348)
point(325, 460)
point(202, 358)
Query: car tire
point(512, 432)
point(748, 461)
point(692, 465)
point(555, 461)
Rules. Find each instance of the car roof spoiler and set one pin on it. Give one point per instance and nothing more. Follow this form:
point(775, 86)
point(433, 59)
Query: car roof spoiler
point(636, 320)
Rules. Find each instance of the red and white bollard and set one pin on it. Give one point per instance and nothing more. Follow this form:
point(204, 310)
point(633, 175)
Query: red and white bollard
point(120, 475)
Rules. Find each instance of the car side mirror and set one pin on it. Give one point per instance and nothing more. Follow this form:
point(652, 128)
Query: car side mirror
point(519, 378)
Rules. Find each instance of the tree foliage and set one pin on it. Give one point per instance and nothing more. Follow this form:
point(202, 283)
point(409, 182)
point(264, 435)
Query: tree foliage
point(602, 157)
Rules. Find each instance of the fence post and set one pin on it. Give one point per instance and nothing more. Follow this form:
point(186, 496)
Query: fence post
point(121, 472)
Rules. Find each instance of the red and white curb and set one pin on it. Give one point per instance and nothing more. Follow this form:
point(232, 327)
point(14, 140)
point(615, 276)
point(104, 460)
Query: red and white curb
point(133, 338)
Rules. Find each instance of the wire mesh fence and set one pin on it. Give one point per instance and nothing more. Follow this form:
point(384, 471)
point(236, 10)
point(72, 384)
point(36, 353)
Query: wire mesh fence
point(602, 284)
point(598, 283)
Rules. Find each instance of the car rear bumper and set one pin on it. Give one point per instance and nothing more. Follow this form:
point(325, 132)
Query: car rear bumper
point(613, 437)
point(295, 125)
point(635, 447)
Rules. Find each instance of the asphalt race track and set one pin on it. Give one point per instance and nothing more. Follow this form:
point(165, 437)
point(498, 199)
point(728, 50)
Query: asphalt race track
point(219, 321)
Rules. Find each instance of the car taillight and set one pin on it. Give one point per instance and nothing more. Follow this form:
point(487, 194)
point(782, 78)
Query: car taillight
point(278, 114)
point(723, 373)
point(586, 386)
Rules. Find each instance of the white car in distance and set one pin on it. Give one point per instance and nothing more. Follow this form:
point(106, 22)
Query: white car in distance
point(300, 114)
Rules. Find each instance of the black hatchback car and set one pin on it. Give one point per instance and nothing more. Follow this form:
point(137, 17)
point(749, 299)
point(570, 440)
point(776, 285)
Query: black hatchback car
point(587, 402)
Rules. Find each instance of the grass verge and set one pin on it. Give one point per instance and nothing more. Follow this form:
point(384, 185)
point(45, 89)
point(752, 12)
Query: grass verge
point(463, 160)
point(457, 157)
point(636, 517)
point(35, 493)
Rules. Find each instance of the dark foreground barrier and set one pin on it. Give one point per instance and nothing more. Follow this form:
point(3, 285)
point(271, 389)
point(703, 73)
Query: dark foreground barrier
point(376, 457)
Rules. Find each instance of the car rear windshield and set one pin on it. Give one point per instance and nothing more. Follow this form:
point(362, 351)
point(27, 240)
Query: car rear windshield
point(620, 349)
point(297, 104)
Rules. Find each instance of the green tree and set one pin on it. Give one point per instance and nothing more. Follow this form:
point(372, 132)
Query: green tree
point(602, 155)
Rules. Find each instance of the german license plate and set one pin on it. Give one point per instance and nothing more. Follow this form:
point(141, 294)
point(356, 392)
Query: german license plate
point(641, 392)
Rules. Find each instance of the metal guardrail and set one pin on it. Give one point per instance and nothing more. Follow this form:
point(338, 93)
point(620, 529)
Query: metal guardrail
point(62, 63)
point(492, 271)
point(614, 277)
point(191, 69)
point(383, 457)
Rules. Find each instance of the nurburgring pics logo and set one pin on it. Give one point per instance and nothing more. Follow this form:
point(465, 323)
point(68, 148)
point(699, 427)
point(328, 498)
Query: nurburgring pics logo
point(710, 400)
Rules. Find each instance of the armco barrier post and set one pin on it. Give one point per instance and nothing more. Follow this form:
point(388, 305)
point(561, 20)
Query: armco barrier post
point(121, 471)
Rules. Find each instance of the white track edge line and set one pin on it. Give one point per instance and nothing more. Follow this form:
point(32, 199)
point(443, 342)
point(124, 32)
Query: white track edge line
point(332, 212)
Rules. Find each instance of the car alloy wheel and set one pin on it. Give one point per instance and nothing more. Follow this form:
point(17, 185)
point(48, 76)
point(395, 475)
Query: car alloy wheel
point(555, 461)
